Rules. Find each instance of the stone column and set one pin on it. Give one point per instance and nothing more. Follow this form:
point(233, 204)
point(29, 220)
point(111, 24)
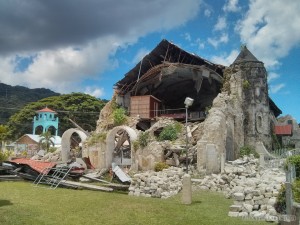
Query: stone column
point(187, 190)
point(201, 155)
point(212, 159)
point(222, 162)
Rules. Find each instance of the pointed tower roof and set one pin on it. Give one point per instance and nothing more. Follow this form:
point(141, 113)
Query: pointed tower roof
point(46, 109)
point(245, 56)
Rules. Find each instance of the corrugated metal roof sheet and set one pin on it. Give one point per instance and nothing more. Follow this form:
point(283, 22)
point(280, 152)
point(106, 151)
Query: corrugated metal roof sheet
point(36, 165)
point(283, 130)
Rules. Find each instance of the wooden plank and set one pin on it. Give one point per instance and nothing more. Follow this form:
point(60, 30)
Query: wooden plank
point(96, 179)
point(87, 186)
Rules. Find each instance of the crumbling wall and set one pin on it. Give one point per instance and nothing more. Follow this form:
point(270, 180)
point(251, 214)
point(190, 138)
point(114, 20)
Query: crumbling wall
point(224, 132)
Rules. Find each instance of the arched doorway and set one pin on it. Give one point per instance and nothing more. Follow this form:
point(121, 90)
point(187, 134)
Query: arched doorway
point(118, 146)
point(66, 142)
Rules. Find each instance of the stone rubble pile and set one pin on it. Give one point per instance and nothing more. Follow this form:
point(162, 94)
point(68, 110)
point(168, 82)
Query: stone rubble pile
point(44, 156)
point(162, 184)
point(254, 189)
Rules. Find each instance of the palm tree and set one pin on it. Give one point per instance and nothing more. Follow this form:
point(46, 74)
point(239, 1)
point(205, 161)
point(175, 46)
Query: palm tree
point(46, 140)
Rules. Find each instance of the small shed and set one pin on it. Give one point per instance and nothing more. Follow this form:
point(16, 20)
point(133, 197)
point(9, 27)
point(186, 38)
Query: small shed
point(146, 106)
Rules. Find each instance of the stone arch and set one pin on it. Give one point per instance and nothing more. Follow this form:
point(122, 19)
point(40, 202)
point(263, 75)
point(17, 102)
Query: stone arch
point(65, 142)
point(110, 142)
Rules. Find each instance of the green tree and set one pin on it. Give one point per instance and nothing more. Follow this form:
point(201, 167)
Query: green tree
point(81, 108)
point(4, 132)
point(46, 140)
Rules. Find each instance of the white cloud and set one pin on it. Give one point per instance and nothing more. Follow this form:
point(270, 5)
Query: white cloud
point(207, 12)
point(231, 6)
point(94, 91)
point(221, 24)
point(63, 68)
point(271, 30)
point(200, 44)
point(225, 59)
point(187, 37)
point(140, 54)
point(272, 76)
point(276, 88)
point(216, 41)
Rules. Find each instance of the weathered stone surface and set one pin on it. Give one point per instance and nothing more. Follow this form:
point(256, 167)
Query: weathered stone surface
point(235, 208)
point(238, 196)
point(253, 190)
point(163, 184)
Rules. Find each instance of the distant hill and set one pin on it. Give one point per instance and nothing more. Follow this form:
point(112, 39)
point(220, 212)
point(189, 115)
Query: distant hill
point(13, 98)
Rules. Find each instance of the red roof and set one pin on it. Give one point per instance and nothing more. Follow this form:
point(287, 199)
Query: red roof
point(36, 165)
point(46, 110)
point(283, 130)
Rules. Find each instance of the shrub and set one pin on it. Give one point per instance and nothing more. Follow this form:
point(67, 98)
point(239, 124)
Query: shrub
point(247, 150)
point(97, 137)
point(296, 190)
point(5, 155)
point(119, 116)
point(135, 145)
point(170, 132)
point(143, 139)
point(280, 205)
point(160, 166)
point(246, 84)
point(295, 160)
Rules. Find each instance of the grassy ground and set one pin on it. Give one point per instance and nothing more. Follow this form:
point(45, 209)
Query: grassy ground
point(21, 203)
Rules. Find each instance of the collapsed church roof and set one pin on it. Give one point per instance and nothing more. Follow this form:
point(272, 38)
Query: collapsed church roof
point(164, 52)
point(170, 74)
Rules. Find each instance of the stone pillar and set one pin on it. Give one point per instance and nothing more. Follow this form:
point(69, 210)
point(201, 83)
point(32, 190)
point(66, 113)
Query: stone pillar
point(201, 155)
point(288, 198)
point(222, 162)
point(212, 159)
point(186, 190)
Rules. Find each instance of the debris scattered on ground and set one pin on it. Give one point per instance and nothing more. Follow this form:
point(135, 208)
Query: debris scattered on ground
point(44, 168)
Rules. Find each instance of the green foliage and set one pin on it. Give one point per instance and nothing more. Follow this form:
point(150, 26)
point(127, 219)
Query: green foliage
point(296, 190)
point(16, 97)
point(280, 205)
point(246, 84)
point(295, 160)
point(52, 149)
point(46, 140)
point(4, 155)
point(275, 142)
point(135, 145)
point(160, 166)
point(97, 137)
point(119, 116)
point(247, 150)
point(81, 108)
point(143, 139)
point(170, 132)
point(4, 132)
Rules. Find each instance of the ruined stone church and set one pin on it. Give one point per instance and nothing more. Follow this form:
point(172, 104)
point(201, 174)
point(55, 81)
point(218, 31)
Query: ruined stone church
point(231, 109)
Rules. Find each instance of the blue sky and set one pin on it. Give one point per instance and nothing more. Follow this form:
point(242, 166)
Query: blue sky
point(87, 46)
